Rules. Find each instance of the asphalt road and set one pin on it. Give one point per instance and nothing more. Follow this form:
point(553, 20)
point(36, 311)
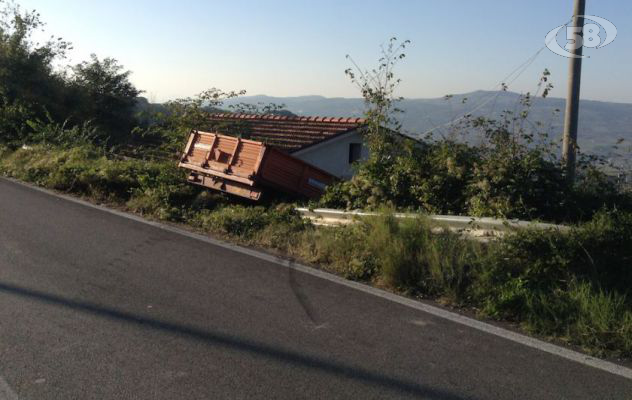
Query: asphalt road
point(96, 306)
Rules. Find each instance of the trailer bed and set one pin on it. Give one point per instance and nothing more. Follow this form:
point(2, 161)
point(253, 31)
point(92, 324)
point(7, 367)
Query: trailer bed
point(246, 167)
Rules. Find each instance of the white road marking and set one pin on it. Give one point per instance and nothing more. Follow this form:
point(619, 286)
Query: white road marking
point(427, 308)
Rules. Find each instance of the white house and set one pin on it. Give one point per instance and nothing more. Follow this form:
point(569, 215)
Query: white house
point(331, 144)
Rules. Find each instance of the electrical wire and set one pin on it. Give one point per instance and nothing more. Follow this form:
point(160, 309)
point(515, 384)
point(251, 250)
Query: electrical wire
point(508, 80)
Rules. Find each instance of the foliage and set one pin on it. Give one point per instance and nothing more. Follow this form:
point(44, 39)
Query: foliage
point(572, 285)
point(404, 254)
point(59, 134)
point(275, 226)
point(87, 171)
point(506, 168)
point(515, 174)
point(340, 250)
point(432, 177)
point(378, 87)
point(106, 96)
point(557, 283)
point(29, 86)
point(170, 128)
point(33, 87)
point(410, 256)
point(12, 120)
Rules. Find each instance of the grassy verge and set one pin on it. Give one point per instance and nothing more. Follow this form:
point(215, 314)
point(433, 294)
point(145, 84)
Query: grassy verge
point(572, 286)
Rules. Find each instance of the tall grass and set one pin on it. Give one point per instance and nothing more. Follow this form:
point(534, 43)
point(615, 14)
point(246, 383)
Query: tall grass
point(603, 321)
point(570, 285)
point(402, 254)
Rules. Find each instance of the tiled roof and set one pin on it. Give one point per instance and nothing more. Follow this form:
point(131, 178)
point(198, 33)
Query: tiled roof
point(286, 133)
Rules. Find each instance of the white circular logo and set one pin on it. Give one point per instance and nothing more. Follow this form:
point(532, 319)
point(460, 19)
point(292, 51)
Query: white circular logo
point(590, 35)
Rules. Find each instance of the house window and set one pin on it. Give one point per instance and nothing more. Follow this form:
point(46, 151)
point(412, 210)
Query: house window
point(355, 152)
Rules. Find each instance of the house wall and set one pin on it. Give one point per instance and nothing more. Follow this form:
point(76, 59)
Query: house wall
point(333, 155)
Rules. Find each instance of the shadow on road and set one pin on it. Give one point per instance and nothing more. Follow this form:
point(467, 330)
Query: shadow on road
point(301, 296)
point(238, 344)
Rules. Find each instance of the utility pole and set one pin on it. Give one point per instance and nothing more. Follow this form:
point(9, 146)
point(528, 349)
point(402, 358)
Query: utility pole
point(569, 145)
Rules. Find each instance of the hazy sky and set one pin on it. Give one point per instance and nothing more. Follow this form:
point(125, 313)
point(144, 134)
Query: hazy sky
point(294, 47)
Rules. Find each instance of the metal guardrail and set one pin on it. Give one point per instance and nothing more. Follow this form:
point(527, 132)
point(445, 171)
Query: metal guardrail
point(477, 226)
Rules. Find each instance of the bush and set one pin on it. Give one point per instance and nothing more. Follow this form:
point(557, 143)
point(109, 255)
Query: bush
point(152, 188)
point(568, 284)
point(412, 257)
point(572, 285)
point(506, 167)
point(602, 323)
point(58, 134)
point(340, 250)
point(275, 226)
point(431, 177)
point(402, 254)
point(505, 180)
point(35, 86)
point(446, 169)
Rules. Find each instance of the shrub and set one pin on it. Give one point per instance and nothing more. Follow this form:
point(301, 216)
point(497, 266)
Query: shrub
point(412, 257)
point(399, 253)
point(441, 180)
point(431, 177)
point(398, 247)
point(570, 284)
point(506, 178)
point(161, 189)
point(601, 250)
point(342, 250)
point(273, 226)
point(152, 188)
point(451, 261)
point(506, 167)
point(603, 321)
point(58, 134)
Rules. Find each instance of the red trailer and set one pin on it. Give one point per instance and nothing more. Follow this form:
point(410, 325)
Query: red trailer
point(245, 167)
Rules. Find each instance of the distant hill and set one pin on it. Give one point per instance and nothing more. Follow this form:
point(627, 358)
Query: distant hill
point(144, 106)
point(601, 123)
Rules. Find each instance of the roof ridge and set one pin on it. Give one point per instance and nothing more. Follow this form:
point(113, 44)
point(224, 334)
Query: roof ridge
point(274, 117)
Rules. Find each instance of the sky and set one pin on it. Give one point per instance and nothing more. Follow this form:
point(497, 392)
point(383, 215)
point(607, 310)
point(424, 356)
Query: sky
point(297, 47)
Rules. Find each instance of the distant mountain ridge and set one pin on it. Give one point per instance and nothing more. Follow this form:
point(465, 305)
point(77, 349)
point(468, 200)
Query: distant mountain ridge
point(601, 123)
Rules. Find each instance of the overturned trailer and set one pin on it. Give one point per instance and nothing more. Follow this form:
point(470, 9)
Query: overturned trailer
point(246, 168)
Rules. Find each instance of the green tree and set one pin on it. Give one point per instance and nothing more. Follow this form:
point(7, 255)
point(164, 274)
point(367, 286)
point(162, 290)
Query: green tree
point(105, 95)
point(30, 87)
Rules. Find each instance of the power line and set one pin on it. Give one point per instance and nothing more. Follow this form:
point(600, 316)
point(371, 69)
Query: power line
point(518, 71)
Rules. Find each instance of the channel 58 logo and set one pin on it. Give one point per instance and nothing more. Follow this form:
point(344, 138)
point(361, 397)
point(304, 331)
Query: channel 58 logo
point(596, 34)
